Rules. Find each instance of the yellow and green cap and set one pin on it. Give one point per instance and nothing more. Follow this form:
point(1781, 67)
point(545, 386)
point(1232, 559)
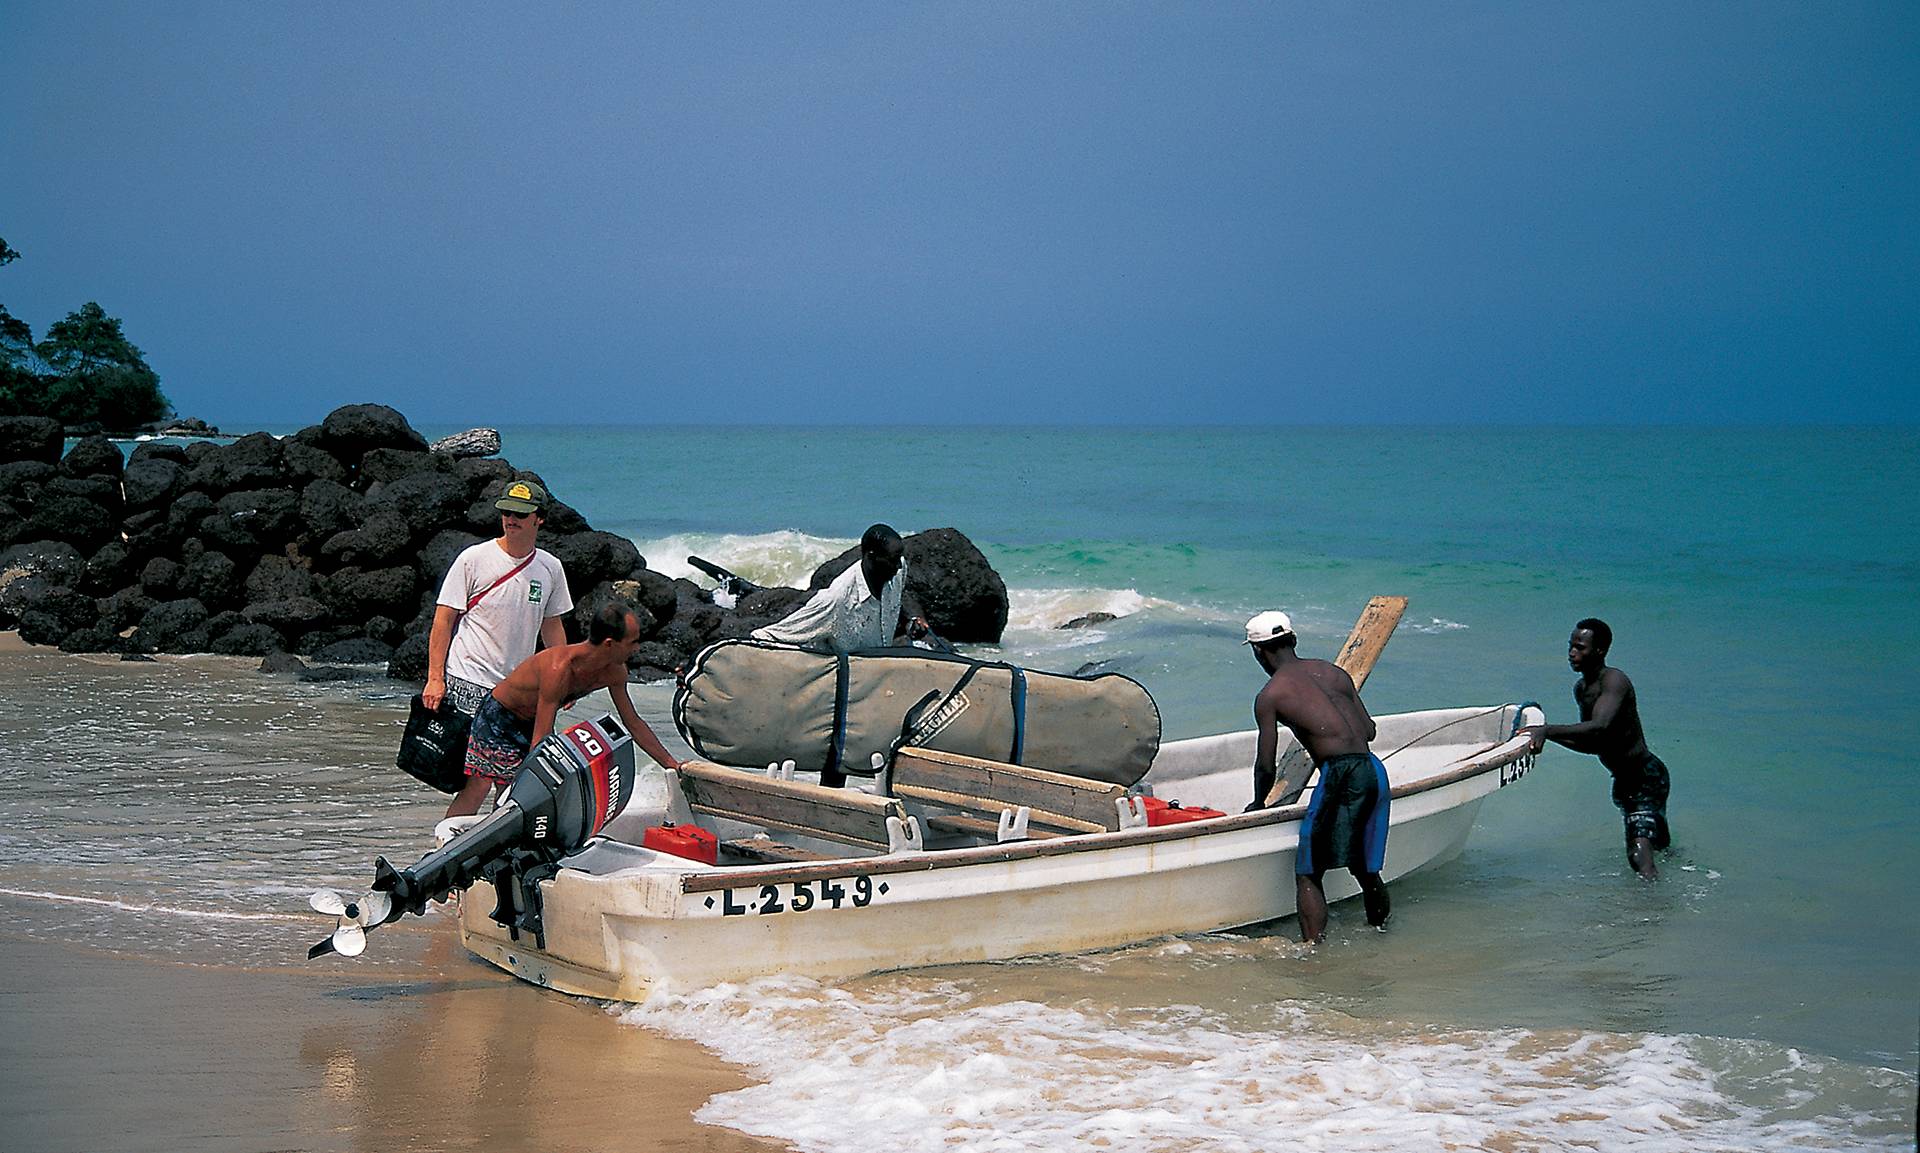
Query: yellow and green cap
point(522, 496)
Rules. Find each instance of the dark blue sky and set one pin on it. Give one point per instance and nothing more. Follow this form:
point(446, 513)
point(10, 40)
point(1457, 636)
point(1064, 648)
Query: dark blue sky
point(1134, 213)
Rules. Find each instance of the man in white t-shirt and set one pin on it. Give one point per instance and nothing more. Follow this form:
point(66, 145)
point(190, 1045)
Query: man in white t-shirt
point(500, 600)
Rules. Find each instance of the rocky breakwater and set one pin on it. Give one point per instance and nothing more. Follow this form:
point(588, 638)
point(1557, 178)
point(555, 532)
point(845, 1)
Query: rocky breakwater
point(331, 544)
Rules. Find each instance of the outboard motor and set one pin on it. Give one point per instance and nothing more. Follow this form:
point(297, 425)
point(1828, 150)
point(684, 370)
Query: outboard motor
point(566, 791)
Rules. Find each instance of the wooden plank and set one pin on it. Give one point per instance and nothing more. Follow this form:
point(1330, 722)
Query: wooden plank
point(1036, 819)
point(762, 849)
point(1055, 799)
point(834, 814)
point(1369, 637)
point(978, 826)
point(1357, 657)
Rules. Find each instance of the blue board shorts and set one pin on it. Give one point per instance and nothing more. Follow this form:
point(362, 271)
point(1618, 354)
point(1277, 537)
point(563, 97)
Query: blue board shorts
point(1642, 797)
point(1346, 821)
point(497, 743)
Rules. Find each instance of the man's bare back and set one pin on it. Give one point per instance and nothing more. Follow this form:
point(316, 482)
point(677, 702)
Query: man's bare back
point(567, 673)
point(1316, 700)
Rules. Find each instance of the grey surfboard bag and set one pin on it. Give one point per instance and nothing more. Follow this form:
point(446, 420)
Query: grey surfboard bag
point(750, 703)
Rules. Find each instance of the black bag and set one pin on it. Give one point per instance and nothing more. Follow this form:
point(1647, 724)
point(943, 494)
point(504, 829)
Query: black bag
point(434, 748)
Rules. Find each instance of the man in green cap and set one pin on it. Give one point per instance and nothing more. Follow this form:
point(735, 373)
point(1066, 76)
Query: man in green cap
point(501, 599)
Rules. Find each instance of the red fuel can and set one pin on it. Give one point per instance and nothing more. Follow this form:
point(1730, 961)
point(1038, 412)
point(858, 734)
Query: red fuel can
point(1161, 812)
point(689, 841)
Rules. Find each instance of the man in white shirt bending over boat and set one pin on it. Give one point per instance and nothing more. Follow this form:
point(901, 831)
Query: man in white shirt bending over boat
point(500, 600)
point(861, 609)
point(1346, 821)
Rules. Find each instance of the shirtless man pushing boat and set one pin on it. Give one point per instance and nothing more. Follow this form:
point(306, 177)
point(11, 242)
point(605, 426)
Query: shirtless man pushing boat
point(519, 714)
point(1346, 821)
point(1610, 729)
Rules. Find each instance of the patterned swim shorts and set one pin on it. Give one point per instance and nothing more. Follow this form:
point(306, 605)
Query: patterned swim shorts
point(497, 743)
point(466, 695)
point(1642, 797)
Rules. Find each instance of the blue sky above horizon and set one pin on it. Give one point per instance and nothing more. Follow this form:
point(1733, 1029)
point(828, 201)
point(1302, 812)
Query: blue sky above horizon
point(1141, 214)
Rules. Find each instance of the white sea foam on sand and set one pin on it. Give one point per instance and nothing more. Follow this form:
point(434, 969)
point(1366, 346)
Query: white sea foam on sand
point(158, 910)
point(926, 1062)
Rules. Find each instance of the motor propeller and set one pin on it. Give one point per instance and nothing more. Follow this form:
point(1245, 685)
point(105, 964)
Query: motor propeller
point(356, 917)
point(566, 791)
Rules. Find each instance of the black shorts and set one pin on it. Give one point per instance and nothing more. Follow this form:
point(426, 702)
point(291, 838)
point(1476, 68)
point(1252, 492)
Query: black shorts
point(1642, 797)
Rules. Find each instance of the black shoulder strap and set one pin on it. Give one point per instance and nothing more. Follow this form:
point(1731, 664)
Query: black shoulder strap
point(842, 674)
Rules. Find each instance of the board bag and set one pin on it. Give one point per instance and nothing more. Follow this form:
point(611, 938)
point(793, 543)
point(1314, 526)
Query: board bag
point(750, 703)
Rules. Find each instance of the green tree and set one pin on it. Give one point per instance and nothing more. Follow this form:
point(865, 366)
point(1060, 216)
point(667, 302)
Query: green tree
point(98, 373)
point(19, 382)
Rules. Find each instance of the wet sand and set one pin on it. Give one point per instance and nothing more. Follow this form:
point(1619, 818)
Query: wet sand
point(103, 1051)
point(429, 1049)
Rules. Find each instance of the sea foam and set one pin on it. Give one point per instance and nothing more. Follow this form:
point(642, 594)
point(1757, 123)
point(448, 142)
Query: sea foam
point(788, 557)
point(1050, 608)
point(784, 557)
point(939, 1062)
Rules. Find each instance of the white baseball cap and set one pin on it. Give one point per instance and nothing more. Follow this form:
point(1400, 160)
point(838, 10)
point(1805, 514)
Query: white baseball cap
point(1269, 626)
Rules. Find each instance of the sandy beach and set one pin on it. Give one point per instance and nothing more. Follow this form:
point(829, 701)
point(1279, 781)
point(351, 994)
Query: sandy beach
point(104, 1051)
point(131, 1049)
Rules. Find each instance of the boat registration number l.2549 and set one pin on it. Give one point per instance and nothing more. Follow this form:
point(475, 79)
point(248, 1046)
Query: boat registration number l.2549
point(1514, 770)
point(799, 897)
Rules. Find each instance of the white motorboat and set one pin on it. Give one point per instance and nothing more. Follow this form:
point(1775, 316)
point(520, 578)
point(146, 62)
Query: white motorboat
point(945, 859)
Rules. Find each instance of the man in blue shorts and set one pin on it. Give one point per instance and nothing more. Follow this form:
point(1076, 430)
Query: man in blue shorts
point(1346, 822)
point(1610, 729)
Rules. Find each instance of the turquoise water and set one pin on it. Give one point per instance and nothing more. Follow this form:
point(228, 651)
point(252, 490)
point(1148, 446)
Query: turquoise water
point(1759, 582)
point(1531, 994)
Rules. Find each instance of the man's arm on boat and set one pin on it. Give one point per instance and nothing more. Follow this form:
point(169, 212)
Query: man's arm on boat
point(1266, 719)
point(550, 671)
point(643, 734)
point(1587, 736)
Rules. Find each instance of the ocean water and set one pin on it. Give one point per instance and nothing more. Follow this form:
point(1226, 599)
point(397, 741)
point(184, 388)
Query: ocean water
point(1530, 995)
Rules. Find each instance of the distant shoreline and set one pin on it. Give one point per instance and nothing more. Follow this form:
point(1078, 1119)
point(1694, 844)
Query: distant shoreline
point(176, 432)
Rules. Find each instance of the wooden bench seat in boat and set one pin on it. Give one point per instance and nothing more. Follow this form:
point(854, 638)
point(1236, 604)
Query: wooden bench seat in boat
point(1056, 803)
point(842, 815)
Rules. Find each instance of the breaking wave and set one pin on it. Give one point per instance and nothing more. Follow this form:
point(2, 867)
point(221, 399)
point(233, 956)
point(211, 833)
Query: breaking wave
point(785, 557)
